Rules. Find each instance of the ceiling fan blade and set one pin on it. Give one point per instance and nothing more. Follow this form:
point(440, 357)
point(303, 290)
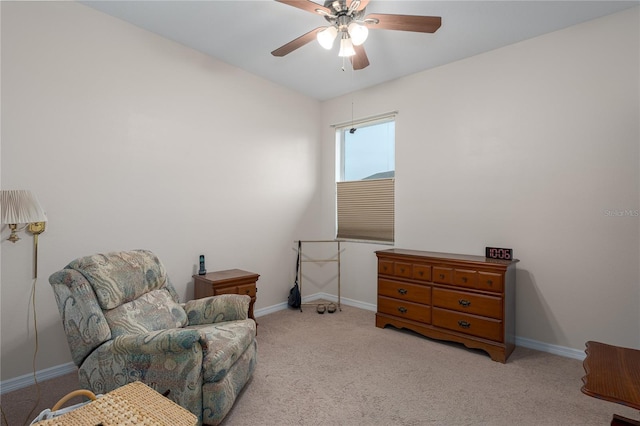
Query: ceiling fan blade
point(296, 43)
point(307, 5)
point(359, 60)
point(421, 24)
point(362, 5)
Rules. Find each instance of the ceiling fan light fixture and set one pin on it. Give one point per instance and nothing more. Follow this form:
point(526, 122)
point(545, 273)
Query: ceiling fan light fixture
point(346, 47)
point(349, 21)
point(327, 36)
point(358, 33)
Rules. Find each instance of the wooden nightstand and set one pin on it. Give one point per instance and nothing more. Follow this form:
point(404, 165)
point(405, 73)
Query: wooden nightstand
point(231, 281)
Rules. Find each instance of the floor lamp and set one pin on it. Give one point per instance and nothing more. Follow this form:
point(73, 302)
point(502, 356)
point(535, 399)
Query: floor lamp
point(21, 207)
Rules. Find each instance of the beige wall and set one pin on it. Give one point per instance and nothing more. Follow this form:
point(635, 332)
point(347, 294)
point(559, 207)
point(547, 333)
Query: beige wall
point(132, 141)
point(525, 147)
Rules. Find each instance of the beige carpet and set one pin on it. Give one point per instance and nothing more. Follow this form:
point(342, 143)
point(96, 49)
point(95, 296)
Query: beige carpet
point(340, 369)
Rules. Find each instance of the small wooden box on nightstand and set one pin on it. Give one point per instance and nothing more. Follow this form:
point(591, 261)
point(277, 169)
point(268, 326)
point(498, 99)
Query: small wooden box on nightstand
point(231, 281)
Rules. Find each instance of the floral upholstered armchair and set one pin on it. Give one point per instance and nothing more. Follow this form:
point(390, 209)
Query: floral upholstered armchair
point(123, 324)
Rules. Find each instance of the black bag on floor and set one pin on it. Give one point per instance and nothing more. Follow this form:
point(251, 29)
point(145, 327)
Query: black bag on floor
point(295, 299)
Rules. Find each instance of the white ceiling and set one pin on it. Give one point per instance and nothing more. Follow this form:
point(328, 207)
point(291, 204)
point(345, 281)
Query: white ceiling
point(243, 33)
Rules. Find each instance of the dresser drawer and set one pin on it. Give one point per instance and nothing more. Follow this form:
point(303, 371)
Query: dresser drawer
point(486, 328)
point(402, 269)
point(422, 272)
point(411, 292)
point(385, 267)
point(442, 275)
point(404, 309)
point(490, 281)
point(465, 278)
point(488, 306)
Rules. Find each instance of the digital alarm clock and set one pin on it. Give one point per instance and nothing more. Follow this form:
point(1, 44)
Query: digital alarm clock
point(499, 253)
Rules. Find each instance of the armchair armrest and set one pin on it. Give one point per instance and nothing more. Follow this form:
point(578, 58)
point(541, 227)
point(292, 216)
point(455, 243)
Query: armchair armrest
point(225, 307)
point(156, 342)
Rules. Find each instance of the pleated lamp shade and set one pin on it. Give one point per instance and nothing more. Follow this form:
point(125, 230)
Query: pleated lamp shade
point(20, 206)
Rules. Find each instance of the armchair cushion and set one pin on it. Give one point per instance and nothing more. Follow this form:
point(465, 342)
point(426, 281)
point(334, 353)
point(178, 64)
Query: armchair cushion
point(152, 311)
point(156, 342)
point(121, 277)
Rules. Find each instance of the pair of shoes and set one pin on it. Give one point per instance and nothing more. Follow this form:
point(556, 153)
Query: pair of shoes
point(320, 309)
point(331, 308)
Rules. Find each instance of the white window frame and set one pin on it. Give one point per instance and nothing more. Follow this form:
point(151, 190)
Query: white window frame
point(370, 218)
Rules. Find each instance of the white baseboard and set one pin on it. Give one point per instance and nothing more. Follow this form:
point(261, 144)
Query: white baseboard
point(270, 309)
point(49, 373)
point(343, 301)
point(41, 375)
point(549, 348)
point(317, 296)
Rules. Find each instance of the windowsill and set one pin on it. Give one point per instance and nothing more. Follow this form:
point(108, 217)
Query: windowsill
point(380, 243)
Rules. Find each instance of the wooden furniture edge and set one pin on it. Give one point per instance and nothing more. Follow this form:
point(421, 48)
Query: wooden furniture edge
point(436, 257)
point(240, 276)
point(497, 351)
point(586, 364)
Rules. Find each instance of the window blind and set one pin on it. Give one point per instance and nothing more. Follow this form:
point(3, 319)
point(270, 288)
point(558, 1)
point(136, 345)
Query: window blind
point(366, 209)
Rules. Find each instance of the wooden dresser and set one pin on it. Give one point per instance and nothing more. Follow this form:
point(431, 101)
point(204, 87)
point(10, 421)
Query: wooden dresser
point(460, 298)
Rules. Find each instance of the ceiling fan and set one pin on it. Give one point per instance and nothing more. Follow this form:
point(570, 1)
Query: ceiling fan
point(348, 23)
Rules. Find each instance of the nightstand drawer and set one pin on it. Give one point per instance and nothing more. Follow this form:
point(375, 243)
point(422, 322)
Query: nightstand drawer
point(404, 291)
point(225, 290)
point(404, 309)
point(486, 328)
point(488, 306)
point(248, 289)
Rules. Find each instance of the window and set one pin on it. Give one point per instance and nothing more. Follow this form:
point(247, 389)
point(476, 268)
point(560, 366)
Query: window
point(365, 176)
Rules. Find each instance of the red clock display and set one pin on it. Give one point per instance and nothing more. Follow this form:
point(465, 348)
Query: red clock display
point(499, 253)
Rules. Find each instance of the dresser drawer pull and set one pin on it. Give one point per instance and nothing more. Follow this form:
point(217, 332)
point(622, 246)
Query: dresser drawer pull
point(402, 291)
point(402, 270)
point(421, 273)
point(489, 282)
point(464, 302)
point(464, 279)
point(441, 276)
point(464, 324)
point(402, 310)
